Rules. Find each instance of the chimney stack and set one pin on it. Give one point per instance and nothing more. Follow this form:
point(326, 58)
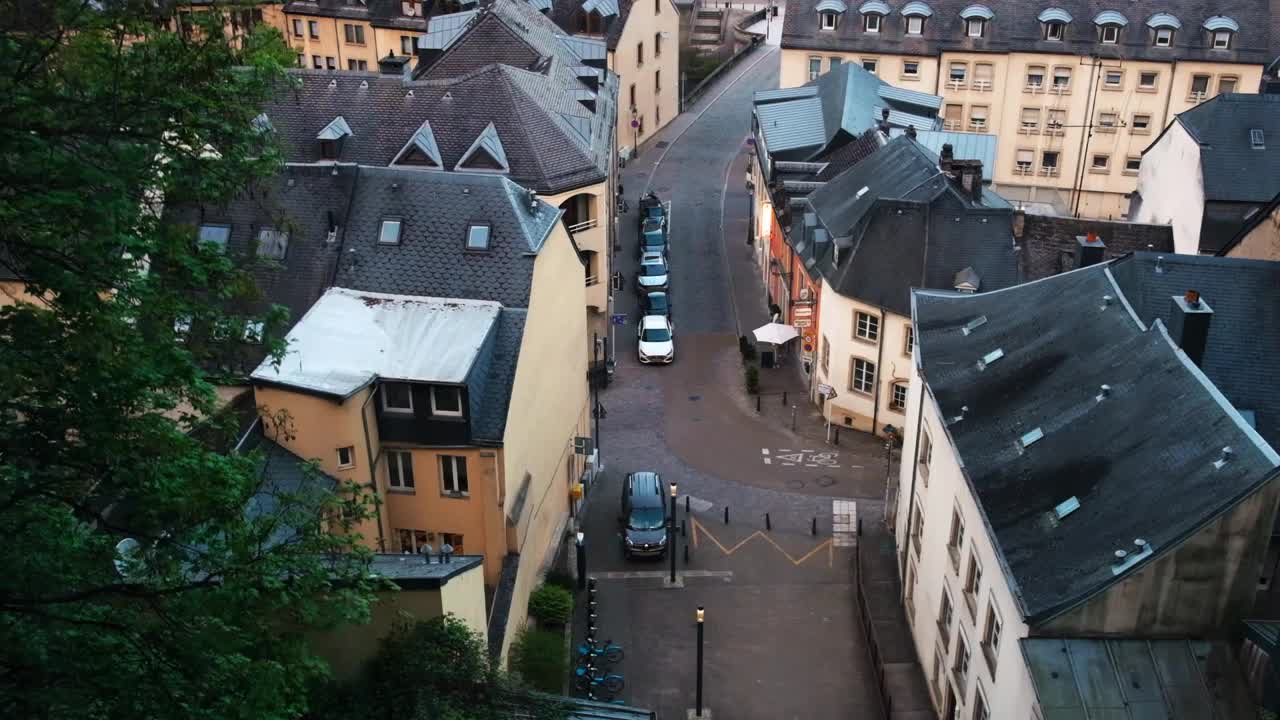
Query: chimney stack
point(1089, 250)
point(945, 158)
point(1189, 324)
point(397, 65)
point(911, 131)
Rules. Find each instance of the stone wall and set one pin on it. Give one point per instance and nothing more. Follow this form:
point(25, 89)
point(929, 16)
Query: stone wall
point(1049, 242)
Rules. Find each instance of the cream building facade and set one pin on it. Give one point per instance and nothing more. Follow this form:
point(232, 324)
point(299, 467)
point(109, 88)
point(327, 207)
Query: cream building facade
point(1074, 93)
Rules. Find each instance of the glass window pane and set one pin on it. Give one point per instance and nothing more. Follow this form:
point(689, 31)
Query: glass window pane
point(390, 232)
point(216, 234)
point(478, 237)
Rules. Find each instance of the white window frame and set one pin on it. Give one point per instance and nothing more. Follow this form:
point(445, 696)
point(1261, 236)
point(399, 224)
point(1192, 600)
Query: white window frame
point(1133, 169)
point(992, 635)
point(867, 384)
point(829, 20)
point(910, 73)
point(1106, 161)
point(1163, 37)
point(893, 396)
point(350, 450)
point(395, 408)
point(1135, 128)
point(972, 23)
point(1233, 79)
point(1055, 31)
point(396, 481)
point(1117, 74)
point(964, 658)
point(1057, 159)
point(872, 22)
point(1224, 36)
point(407, 44)
point(874, 64)
point(453, 462)
point(446, 413)
point(909, 341)
point(1155, 80)
point(915, 25)
point(390, 223)
point(815, 66)
point(1044, 71)
point(1110, 34)
point(866, 326)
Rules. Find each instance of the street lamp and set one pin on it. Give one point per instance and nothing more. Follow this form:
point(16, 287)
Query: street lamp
point(698, 698)
point(671, 534)
point(582, 562)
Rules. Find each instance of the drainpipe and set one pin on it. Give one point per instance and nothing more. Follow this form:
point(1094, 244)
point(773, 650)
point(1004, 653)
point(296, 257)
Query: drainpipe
point(373, 468)
point(875, 396)
point(337, 42)
point(1086, 137)
point(915, 468)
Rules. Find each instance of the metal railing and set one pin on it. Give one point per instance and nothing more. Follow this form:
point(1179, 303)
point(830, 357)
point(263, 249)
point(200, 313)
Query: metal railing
point(1023, 170)
point(1049, 172)
point(951, 125)
point(593, 280)
point(584, 225)
point(956, 84)
point(1197, 96)
point(982, 85)
point(1060, 88)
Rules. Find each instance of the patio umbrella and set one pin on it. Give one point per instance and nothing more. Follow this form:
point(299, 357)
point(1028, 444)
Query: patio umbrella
point(775, 333)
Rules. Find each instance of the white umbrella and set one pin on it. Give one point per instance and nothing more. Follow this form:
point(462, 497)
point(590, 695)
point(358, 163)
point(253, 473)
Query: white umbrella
point(775, 333)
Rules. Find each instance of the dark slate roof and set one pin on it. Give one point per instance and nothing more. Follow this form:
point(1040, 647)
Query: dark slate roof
point(1015, 28)
point(379, 13)
point(910, 228)
point(1244, 332)
point(435, 210)
point(1049, 242)
point(1156, 435)
point(511, 67)
point(1232, 170)
point(489, 419)
point(565, 14)
point(285, 477)
point(1262, 215)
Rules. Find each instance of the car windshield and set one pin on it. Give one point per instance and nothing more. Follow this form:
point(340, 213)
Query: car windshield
point(646, 519)
point(656, 334)
point(652, 270)
point(653, 239)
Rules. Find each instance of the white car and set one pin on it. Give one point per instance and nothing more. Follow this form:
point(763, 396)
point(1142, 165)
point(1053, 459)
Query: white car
point(657, 341)
point(653, 274)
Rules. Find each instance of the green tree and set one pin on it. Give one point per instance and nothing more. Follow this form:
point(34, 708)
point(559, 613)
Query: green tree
point(107, 117)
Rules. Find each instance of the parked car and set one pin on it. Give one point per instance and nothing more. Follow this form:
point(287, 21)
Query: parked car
point(643, 516)
point(657, 303)
point(657, 342)
point(652, 276)
point(651, 208)
point(653, 238)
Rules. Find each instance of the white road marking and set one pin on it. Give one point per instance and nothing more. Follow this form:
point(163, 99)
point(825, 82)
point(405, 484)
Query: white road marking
point(844, 523)
point(698, 504)
point(656, 574)
point(764, 451)
point(767, 461)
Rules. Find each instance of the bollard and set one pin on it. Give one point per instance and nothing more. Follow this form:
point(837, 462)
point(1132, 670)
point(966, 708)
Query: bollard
point(814, 528)
point(686, 554)
point(686, 504)
point(836, 437)
point(684, 531)
point(767, 524)
point(784, 398)
point(859, 527)
point(726, 514)
point(793, 418)
point(757, 402)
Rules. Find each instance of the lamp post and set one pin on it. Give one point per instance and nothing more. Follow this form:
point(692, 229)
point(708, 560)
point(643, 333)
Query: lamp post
point(582, 561)
point(697, 707)
point(671, 534)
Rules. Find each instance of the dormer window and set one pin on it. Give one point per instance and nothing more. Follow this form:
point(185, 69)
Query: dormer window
point(873, 13)
point(1055, 31)
point(829, 12)
point(1054, 22)
point(1222, 40)
point(411, 8)
point(1163, 26)
point(1163, 37)
point(871, 22)
point(976, 18)
point(329, 149)
point(1110, 34)
point(829, 20)
point(446, 401)
point(915, 25)
point(331, 138)
point(1222, 30)
point(273, 243)
point(916, 12)
point(1110, 23)
point(975, 27)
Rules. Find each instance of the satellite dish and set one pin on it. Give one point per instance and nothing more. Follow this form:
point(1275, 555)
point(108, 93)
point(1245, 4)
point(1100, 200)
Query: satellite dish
point(128, 553)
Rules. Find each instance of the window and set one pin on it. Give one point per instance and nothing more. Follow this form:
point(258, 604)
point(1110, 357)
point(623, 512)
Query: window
point(657, 81)
point(915, 25)
point(909, 341)
point(354, 34)
point(1054, 31)
point(1227, 84)
point(330, 63)
point(991, 636)
point(815, 68)
point(357, 64)
point(446, 401)
point(1221, 39)
point(1062, 79)
point(829, 20)
point(1035, 77)
point(313, 28)
point(397, 397)
point(946, 613)
point(389, 232)
point(980, 709)
point(216, 234)
point(939, 672)
point(412, 541)
point(478, 237)
point(871, 22)
point(272, 243)
point(1132, 164)
point(962, 660)
point(302, 60)
point(453, 540)
point(917, 526)
point(978, 118)
point(833, 63)
point(1022, 165)
point(972, 585)
point(955, 542)
point(639, 54)
point(982, 74)
point(346, 457)
point(400, 469)
point(657, 44)
point(1110, 34)
point(951, 116)
point(926, 452)
point(412, 8)
point(826, 356)
point(1257, 139)
point(870, 65)
point(909, 594)
point(974, 27)
point(866, 326)
point(1147, 80)
point(862, 376)
point(957, 73)
point(911, 68)
point(1108, 120)
point(632, 93)
point(453, 475)
point(1141, 123)
point(1030, 120)
point(1049, 162)
point(1056, 121)
point(1100, 162)
point(1199, 85)
point(297, 28)
point(898, 397)
point(1163, 37)
point(406, 44)
point(317, 62)
point(657, 7)
point(1113, 79)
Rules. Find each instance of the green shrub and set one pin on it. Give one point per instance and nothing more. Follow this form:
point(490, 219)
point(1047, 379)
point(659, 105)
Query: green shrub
point(540, 658)
point(561, 579)
point(747, 348)
point(551, 604)
point(753, 379)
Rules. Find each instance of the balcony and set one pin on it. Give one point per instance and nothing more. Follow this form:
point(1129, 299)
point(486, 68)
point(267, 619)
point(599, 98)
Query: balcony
point(590, 236)
point(1049, 171)
point(982, 85)
point(954, 84)
point(1197, 96)
point(1033, 88)
point(1023, 170)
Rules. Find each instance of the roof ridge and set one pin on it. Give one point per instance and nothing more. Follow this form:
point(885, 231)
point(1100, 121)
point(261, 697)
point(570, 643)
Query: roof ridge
point(522, 128)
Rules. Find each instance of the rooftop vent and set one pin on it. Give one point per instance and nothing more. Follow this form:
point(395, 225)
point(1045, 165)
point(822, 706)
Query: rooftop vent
point(1104, 392)
point(1066, 507)
point(1031, 438)
point(1106, 302)
point(862, 192)
point(1256, 139)
point(1224, 458)
point(989, 358)
point(1125, 559)
point(974, 324)
point(1089, 249)
point(1159, 263)
point(963, 409)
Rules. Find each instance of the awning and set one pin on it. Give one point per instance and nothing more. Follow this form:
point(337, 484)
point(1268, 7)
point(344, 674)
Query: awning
point(775, 333)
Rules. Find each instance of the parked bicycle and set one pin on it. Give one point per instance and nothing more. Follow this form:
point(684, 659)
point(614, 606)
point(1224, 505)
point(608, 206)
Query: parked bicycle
point(590, 650)
point(587, 679)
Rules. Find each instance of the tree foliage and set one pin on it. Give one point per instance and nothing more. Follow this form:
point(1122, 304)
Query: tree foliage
point(109, 117)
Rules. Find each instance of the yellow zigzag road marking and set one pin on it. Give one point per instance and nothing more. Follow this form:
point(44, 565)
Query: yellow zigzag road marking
point(729, 551)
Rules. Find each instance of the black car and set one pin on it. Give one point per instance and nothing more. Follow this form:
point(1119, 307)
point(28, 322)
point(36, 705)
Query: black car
point(653, 239)
point(657, 303)
point(643, 516)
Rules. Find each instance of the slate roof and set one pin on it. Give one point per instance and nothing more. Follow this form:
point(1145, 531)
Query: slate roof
point(489, 418)
point(285, 476)
point(510, 68)
point(1156, 434)
point(1232, 170)
point(435, 210)
point(1263, 214)
point(1016, 28)
point(964, 146)
point(1240, 356)
point(803, 123)
point(565, 14)
point(896, 222)
point(379, 13)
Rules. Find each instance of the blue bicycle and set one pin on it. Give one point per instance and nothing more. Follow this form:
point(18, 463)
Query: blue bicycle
point(586, 679)
point(589, 650)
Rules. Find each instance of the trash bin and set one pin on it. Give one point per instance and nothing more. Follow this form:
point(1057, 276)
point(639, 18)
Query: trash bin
point(766, 358)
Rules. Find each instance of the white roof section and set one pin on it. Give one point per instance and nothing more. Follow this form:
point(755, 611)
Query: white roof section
point(442, 30)
point(916, 8)
point(977, 11)
point(836, 6)
point(1221, 22)
point(350, 338)
point(1110, 17)
point(1164, 20)
point(336, 129)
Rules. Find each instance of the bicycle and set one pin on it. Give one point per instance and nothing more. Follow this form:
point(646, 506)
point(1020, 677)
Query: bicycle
point(610, 652)
point(587, 680)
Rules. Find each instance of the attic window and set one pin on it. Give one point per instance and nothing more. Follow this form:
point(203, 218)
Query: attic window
point(389, 233)
point(1221, 31)
point(1066, 507)
point(1256, 139)
point(478, 237)
point(253, 331)
point(273, 243)
point(329, 149)
point(219, 234)
point(1031, 438)
point(829, 12)
point(974, 324)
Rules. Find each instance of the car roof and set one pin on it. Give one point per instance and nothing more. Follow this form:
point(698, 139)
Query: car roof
point(653, 259)
point(652, 321)
point(657, 294)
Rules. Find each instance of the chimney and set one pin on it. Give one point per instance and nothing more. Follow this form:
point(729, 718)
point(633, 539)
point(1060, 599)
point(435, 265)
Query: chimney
point(970, 177)
point(945, 158)
point(397, 65)
point(1189, 324)
point(911, 131)
point(1019, 223)
point(884, 121)
point(1089, 249)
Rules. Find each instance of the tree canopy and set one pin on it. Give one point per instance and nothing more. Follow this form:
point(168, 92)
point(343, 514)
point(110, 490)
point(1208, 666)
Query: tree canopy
point(108, 117)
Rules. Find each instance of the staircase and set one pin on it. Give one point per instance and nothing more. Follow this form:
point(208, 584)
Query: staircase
point(708, 28)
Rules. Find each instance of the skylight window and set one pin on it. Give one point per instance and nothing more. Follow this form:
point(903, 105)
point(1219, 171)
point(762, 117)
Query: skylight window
point(1066, 507)
point(389, 234)
point(992, 356)
point(974, 324)
point(273, 243)
point(219, 234)
point(1257, 140)
point(1031, 438)
point(478, 237)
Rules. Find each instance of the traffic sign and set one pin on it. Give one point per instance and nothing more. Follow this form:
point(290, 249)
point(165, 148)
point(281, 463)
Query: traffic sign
point(618, 319)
